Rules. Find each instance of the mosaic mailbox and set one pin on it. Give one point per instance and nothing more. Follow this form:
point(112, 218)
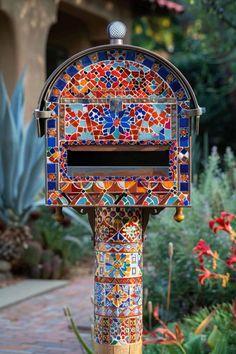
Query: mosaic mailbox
point(117, 122)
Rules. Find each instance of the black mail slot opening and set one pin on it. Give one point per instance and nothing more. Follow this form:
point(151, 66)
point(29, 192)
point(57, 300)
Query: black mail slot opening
point(117, 163)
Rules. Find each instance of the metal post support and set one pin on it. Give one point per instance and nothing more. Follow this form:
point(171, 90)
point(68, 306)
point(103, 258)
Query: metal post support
point(118, 281)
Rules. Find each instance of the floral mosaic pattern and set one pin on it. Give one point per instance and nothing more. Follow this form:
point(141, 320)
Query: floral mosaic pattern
point(118, 97)
point(135, 122)
point(118, 276)
point(118, 265)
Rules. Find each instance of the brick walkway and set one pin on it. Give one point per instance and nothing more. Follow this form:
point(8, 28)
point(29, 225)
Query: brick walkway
point(38, 325)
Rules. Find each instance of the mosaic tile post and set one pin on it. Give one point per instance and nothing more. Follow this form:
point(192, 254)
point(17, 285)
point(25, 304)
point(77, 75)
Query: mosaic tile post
point(118, 280)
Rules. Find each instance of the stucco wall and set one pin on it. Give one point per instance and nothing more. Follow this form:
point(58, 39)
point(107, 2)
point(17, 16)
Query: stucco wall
point(28, 26)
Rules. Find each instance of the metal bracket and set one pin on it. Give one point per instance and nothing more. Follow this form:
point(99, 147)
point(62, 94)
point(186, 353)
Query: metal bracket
point(188, 113)
point(41, 117)
point(195, 112)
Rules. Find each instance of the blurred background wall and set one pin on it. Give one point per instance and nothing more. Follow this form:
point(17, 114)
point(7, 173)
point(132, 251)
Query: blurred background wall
point(37, 35)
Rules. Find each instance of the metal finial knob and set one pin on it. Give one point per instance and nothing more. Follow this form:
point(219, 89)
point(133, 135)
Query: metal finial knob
point(116, 32)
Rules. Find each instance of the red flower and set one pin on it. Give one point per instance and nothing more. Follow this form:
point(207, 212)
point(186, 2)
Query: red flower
point(232, 258)
point(223, 223)
point(169, 337)
point(230, 261)
point(234, 310)
point(156, 313)
point(202, 249)
point(207, 274)
point(163, 335)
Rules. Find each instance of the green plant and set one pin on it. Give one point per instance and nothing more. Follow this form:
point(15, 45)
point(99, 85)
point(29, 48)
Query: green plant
point(187, 295)
point(21, 159)
point(21, 162)
point(54, 247)
point(209, 260)
point(31, 255)
point(201, 43)
point(221, 328)
point(68, 315)
point(206, 331)
point(70, 241)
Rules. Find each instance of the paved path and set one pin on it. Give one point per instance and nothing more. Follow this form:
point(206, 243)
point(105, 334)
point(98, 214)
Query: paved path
point(38, 326)
point(26, 289)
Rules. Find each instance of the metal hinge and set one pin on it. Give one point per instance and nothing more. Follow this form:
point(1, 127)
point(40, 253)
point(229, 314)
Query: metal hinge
point(41, 117)
point(195, 112)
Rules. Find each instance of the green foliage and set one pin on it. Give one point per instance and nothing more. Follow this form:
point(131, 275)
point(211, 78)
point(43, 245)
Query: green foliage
point(217, 338)
point(31, 255)
point(21, 158)
point(201, 43)
point(221, 331)
point(212, 194)
point(205, 53)
point(71, 242)
point(153, 32)
point(55, 247)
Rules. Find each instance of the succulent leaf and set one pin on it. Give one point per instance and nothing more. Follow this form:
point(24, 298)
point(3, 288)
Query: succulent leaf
point(21, 157)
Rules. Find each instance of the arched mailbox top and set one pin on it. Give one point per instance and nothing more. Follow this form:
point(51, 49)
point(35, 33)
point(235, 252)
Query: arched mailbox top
point(133, 59)
point(118, 130)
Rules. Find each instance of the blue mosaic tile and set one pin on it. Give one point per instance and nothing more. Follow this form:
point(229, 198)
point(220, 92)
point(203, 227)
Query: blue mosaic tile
point(51, 142)
point(51, 168)
point(51, 186)
point(184, 187)
point(183, 122)
point(51, 123)
point(60, 84)
point(72, 70)
point(184, 169)
point(53, 99)
point(184, 141)
point(175, 85)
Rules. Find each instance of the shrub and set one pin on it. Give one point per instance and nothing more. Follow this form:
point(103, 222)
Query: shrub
point(214, 192)
point(206, 331)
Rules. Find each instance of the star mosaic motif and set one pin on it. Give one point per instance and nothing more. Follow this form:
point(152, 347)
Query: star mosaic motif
point(118, 296)
point(119, 265)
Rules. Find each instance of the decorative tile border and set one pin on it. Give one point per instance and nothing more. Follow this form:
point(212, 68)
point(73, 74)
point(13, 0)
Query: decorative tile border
point(114, 331)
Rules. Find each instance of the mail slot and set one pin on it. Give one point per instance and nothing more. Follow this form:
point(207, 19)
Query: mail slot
point(124, 161)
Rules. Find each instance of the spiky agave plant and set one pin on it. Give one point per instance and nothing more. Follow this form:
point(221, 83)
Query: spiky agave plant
point(21, 163)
